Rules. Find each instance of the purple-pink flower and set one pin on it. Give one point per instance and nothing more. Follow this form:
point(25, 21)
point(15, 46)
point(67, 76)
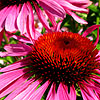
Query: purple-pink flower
point(66, 6)
point(58, 63)
point(18, 15)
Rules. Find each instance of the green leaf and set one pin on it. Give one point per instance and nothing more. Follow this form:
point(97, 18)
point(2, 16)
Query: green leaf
point(93, 8)
point(10, 59)
point(98, 46)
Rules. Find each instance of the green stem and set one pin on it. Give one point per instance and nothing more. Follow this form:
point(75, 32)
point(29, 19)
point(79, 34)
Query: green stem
point(99, 4)
point(98, 17)
point(97, 20)
point(5, 38)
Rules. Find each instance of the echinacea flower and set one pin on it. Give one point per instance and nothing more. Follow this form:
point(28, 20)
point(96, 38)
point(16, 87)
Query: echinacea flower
point(67, 6)
point(58, 65)
point(15, 14)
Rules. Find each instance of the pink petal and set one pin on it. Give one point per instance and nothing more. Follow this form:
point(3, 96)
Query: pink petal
point(62, 93)
point(16, 50)
point(30, 24)
point(97, 40)
point(52, 92)
point(98, 71)
point(11, 48)
point(19, 9)
point(14, 85)
point(98, 59)
point(51, 18)
point(69, 6)
point(42, 18)
point(25, 95)
point(80, 31)
point(96, 78)
point(85, 94)
point(21, 39)
point(72, 94)
point(90, 91)
point(19, 90)
point(93, 85)
point(58, 25)
point(9, 77)
point(37, 34)
point(22, 19)
point(53, 7)
point(24, 62)
point(77, 18)
point(1, 36)
point(10, 24)
point(97, 94)
point(37, 95)
point(81, 3)
point(3, 14)
point(90, 29)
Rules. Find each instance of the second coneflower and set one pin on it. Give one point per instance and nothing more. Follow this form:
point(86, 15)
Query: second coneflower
point(62, 62)
point(17, 14)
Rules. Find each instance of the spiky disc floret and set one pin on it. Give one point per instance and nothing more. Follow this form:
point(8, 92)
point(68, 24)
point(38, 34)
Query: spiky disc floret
point(64, 57)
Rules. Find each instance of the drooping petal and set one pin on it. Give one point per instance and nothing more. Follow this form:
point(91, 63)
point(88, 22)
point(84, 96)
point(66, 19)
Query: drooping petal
point(96, 78)
point(93, 85)
point(30, 23)
point(62, 94)
point(42, 18)
point(25, 95)
point(37, 34)
point(58, 25)
point(90, 29)
point(97, 40)
point(80, 3)
point(77, 18)
point(98, 71)
point(22, 19)
point(3, 14)
point(20, 38)
point(24, 62)
point(16, 50)
point(37, 95)
point(9, 77)
point(98, 59)
point(11, 48)
point(51, 18)
point(14, 85)
point(52, 92)
point(53, 7)
point(85, 94)
point(69, 6)
point(93, 95)
point(21, 88)
point(10, 24)
point(72, 94)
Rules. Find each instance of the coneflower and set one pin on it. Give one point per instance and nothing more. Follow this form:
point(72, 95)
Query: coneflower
point(61, 62)
point(17, 15)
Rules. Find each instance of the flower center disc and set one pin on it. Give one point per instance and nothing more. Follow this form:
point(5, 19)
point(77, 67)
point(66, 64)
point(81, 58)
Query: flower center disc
point(64, 57)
